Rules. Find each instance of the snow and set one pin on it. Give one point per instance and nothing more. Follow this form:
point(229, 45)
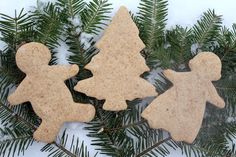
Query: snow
point(85, 38)
point(181, 12)
point(76, 21)
point(62, 53)
point(153, 75)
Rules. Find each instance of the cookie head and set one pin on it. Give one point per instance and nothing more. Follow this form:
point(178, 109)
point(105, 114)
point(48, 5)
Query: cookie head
point(207, 64)
point(32, 56)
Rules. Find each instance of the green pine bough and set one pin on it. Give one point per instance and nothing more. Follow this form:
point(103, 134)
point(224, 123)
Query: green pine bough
point(124, 133)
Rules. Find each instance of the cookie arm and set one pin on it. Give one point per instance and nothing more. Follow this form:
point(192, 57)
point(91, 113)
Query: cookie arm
point(170, 74)
point(214, 98)
point(18, 96)
point(66, 71)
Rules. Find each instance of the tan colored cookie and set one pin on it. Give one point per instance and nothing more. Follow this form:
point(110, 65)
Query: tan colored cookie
point(44, 87)
point(118, 66)
point(180, 109)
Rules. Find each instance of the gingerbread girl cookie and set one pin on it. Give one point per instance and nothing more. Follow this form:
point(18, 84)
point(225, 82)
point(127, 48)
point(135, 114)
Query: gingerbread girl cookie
point(180, 109)
point(44, 87)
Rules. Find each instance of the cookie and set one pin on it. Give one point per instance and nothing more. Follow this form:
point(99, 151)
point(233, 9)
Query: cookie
point(180, 109)
point(117, 67)
point(44, 87)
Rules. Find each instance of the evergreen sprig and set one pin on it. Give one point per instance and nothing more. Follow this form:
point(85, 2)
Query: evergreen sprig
point(122, 133)
point(48, 25)
point(95, 15)
point(152, 21)
point(72, 8)
point(71, 148)
point(207, 28)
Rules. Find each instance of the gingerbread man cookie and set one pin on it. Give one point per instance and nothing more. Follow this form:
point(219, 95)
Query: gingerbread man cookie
point(44, 87)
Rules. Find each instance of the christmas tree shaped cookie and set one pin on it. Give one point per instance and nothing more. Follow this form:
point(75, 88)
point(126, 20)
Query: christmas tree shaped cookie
point(180, 109)
point(44, 87)
point(118, 66)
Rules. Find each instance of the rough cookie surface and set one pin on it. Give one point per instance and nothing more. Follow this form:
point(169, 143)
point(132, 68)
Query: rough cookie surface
point(117, 67)
point(180, 109)
point(44, 87)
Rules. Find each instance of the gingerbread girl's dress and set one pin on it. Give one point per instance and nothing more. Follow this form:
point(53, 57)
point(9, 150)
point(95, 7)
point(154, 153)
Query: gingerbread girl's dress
point(180, 109)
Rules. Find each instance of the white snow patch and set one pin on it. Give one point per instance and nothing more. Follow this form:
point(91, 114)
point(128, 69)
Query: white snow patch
point(231, 141)
point(231, 119)
point(2, 44)
point(155, 75)
point(76, 21)
point(195, 48)
point(85, 40)
point(62, 54)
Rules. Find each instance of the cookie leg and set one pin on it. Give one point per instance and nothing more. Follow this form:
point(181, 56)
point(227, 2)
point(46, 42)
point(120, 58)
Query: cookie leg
point(82, 113)
point(187, 137)
point(176, 136)
point(190, 139)
point(47, 131)
point(152, 118)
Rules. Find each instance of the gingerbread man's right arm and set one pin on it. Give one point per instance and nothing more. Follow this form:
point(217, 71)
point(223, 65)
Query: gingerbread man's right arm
point(66, 71)
point(19, 95)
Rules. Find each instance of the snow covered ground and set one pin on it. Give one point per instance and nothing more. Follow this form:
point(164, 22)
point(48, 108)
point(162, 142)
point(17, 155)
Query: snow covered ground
point(182, 12)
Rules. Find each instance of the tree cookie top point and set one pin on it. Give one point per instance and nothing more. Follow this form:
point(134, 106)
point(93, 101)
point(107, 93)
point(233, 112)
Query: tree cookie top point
point(121, 27)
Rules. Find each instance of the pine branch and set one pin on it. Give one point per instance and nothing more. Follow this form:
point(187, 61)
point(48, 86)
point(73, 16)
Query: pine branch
point(152, 19)
point(226, 49)
point(115, 143)
point(72, 8)
point(125, 126)
point(67, 148)
point(48, 25)
point(15, 29)
point(6, 111)
point(95, 15)
point(152, 147)
point(207, 28)
point(227, 89)
point(23, 126)
point(17, 130)
point(80, 55)
point(179, 40)
point(123, 133)
point(22, 143)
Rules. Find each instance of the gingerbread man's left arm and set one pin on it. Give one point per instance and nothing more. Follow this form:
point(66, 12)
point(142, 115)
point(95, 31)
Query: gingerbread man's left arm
point(19, 96)
point(213, 96)
point(66, 71)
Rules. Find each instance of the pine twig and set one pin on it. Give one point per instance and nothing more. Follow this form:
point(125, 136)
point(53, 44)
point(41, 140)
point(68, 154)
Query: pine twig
point(125, 126)
point(33, 127)
point(64, 149)
point(152, 147)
